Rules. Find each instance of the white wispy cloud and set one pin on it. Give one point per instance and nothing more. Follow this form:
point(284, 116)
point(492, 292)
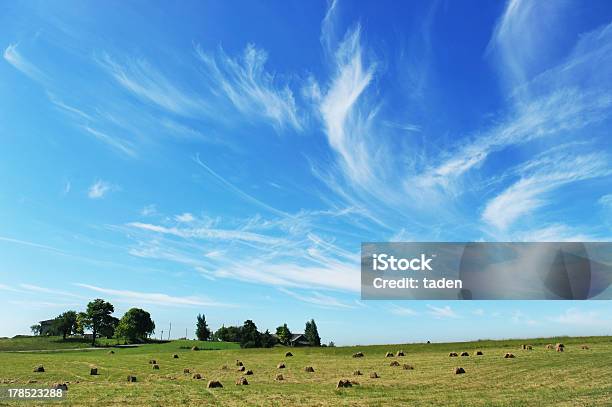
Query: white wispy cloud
point(541, 176)
point(250, 89)
point(149, 84)
point(207, 233)
point(318, 299)
point(348, 124)
point(575, 316)
point(605, 201)
point(184, 217)
point(152, 298)
point(148, 210)
point(402, 311)
point(14, 57)
point(99, 189)
point(441, 312)
point(115, 142)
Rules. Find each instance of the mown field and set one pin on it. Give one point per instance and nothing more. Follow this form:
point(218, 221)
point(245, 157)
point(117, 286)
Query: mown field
point(538, 377)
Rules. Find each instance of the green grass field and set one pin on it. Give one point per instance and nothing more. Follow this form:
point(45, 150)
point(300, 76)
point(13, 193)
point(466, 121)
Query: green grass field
point(539, 377)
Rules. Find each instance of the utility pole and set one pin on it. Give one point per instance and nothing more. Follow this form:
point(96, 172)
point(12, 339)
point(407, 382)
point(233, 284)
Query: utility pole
point(161, 337)
point(185, 333)
point(169, 330)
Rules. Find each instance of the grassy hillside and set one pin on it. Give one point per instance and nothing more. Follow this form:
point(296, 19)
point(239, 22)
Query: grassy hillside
point(54, 343)
point(538, 377)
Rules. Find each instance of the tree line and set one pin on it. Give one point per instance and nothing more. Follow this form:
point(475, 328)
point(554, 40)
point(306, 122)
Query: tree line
point(136, 325)
point(249, 336)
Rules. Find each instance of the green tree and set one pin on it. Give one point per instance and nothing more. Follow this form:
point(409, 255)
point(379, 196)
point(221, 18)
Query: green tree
point(98, 318)
point(312, 334)
point(202, 331)
point(135, 325)
point(267, 340)
point(35, 329)
point(283, 334)
point(80, 323)
point(65, 323)
point(250, 336)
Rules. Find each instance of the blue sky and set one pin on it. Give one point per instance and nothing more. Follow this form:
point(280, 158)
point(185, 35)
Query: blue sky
point(228, 158)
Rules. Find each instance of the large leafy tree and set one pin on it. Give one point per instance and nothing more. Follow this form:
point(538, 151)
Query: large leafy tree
point(65, 323)
point(135, 325)
point(283, 334)
point(312, 333)
point(202, 331)
point(99, 319)
point(228, 334)
point(251, 337)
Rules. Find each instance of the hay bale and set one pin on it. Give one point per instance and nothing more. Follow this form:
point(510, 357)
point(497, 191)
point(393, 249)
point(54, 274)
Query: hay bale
point(155, 367)
point(529, 347)
point(549, 346)
point(358, 355)
point(39, 369)
point(428, 342)
point(288, 354)
point(241, 369)
point(196, 376)
point(479, 353)
point(465, 354)
point(523, 346)
point(131, 379)
point(111, 352)
point(343, 383)
point(239, 363)
point(374, 375)
point(459, 370)
point(214, 384)
point(186, 371)
point(152, 362)
point(248, 372)
point(60, 386)
point(175, 356)
point(452, 355)
point(309, 369)
point(407, 367)
point(279, 377)
point(394, 363)
point(194, 348)
point(584, 347)
point(280, 366)
point(242, 382)
point(508, 356)
point(93, 371)
point(389, 355)
point(357, 373)
point(400, 353)
point(560, 348)
point(560, 345)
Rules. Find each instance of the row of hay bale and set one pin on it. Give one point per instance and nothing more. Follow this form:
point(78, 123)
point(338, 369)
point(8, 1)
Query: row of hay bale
point(455, 354)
